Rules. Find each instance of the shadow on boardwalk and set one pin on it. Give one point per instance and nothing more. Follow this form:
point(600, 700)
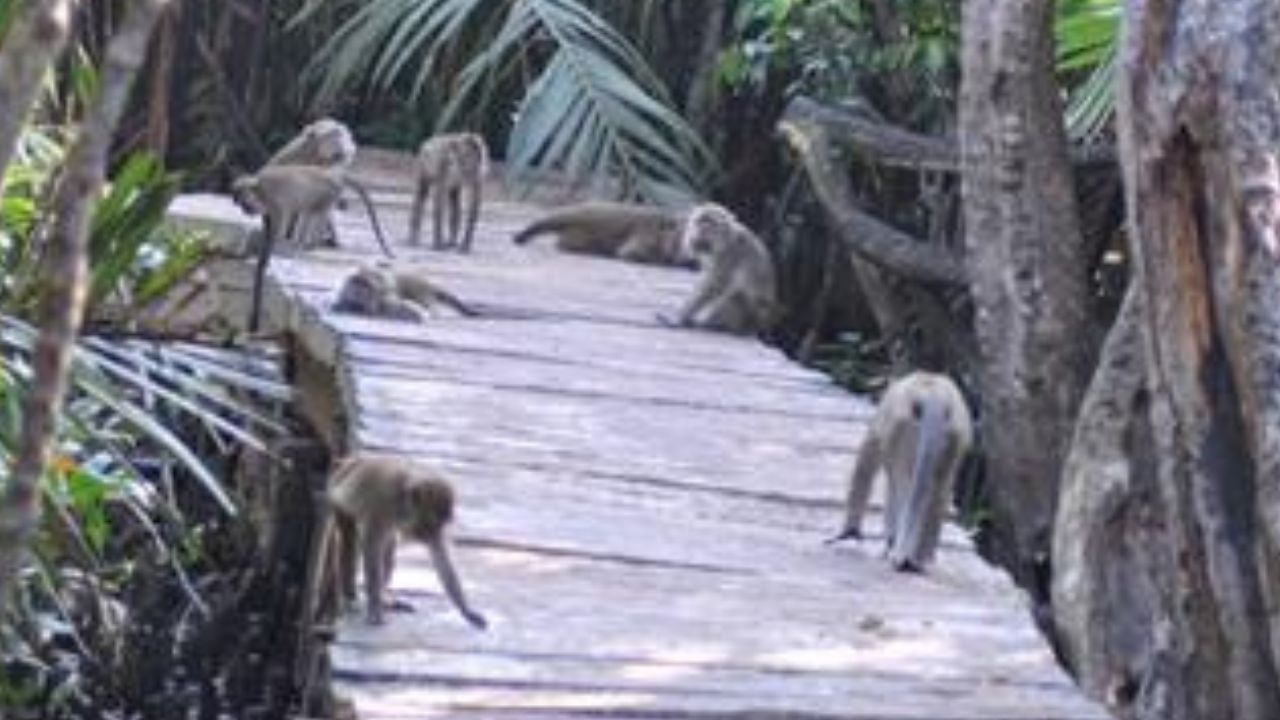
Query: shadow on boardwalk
point(641, 514)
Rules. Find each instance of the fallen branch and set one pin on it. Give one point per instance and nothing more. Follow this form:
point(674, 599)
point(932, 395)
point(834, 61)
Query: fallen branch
point(864, 234)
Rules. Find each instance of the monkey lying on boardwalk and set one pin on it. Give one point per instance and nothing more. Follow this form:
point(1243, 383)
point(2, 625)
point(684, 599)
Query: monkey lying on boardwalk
point(451, 168)
point(637, 233)
point(920, 434)
point(375, 497)
point(394, 294)
point(738, 289)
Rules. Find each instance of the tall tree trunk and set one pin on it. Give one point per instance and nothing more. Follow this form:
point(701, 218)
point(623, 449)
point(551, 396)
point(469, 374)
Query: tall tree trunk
point(1028, 271)
point(66, 277)
point(1199, 124)
point(1182, 625)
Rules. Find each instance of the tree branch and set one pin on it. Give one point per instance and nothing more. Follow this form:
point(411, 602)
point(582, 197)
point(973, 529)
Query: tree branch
point(863, 233)
point(33, 42)
point(893, 146)
point(62, 304)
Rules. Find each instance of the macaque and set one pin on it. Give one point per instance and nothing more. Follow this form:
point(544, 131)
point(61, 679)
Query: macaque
point(323, 143)
point(737, 292)
point(375, 497)
point(280, 192)
point(398, 295)
point(637, 233)
point(451, 168)
point(919, 436)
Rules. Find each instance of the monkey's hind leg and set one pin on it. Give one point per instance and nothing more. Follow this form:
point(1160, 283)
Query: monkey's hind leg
point(640, 248)
point(473, 215)
point(439, 203)
point(860, 482)
point(421, 190)
point(455, 218)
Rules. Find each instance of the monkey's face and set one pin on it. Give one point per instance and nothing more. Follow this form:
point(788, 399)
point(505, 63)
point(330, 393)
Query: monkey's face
point(708, 231)
point(244, 192)
point(430, 507)
point(363, 291)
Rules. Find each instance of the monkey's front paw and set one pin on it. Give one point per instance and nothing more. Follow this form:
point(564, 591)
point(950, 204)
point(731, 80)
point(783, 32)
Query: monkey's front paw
point(850, 533)
point(476, 620)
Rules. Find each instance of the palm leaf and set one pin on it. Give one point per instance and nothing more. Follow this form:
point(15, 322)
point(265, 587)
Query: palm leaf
point(593, 108)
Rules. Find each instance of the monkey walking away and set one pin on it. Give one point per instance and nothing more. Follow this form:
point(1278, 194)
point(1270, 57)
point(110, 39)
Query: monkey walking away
point(637, 233)
point(737, 292)
point(375, 497)
point(451, 169)
point(324, 143)
point(281, 192)
point(919, 436)
point(395, 294)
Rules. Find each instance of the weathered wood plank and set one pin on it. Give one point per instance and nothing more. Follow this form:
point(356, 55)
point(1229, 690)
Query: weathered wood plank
point(642, 511)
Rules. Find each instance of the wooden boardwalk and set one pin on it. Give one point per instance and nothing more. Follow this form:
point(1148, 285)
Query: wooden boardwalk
point(642, 514)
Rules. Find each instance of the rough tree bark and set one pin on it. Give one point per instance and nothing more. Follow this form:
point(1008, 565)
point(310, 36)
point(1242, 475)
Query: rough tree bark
point(66, 273)
point(1198, 115)
point(33, 41)
point(1028, 271)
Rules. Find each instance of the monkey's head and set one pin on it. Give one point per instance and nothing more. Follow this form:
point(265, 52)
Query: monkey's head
point(244, 192)
point(429, 506)
point(708, 230)
point(364, 291)
point(329, 142)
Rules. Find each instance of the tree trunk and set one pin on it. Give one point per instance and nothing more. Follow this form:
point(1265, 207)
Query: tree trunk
point(1027, 268)
point(66, 280)
point(1199, 125)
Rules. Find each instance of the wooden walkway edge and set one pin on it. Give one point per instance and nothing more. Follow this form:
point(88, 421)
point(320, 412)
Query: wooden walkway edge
point(641, 512)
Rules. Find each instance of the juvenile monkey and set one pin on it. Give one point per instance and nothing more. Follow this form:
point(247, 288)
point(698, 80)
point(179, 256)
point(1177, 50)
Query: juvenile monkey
point(737, 292)
point(323, 143)
point(281, 192)
point(637, 233)
point(451, 168)
point(920, 434)
point(399, 295)
point(375, 497)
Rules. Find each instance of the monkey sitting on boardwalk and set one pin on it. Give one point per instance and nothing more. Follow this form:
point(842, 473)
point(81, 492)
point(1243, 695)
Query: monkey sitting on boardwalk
point(636, 233)
point(738, 289)
point(376, 497)
point(394, 294)
point(921, 432)
point(451, 168)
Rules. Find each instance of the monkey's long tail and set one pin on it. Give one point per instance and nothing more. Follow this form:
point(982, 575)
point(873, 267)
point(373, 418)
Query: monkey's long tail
point(373, 215)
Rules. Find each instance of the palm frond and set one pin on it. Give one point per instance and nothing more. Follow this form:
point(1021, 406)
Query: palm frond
point(592, 108)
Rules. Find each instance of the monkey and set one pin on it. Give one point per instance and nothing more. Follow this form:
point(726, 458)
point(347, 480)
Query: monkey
point(399, 295)
point(279, 192)
point(919, 436)
point(323, 143)
point(737, 292)
point(451, 168)
point(636, 233)
point(375, 497)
